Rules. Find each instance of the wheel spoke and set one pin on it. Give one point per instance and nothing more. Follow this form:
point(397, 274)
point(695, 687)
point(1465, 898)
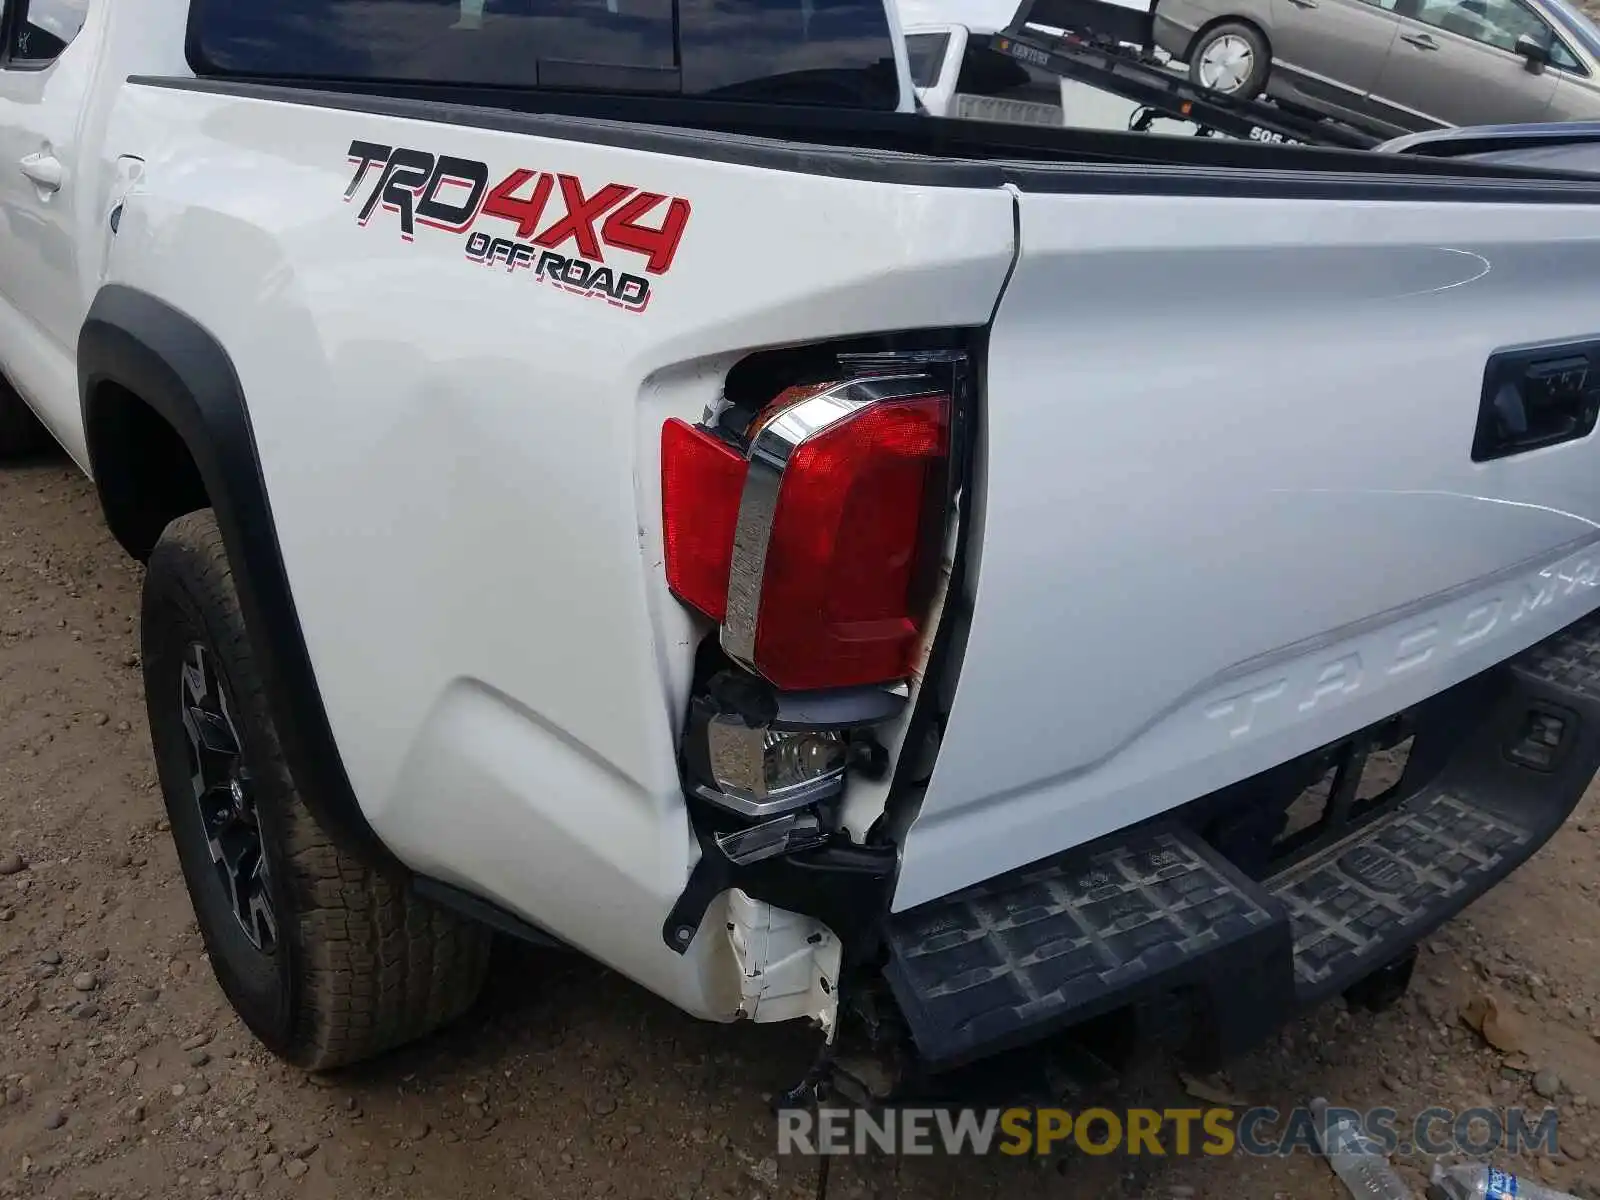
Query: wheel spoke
point(194, 675)
point(213, 731)
point(229, 876)
point(261, 914)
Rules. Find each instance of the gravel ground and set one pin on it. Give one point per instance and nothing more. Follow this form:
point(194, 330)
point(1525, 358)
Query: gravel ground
point(124, 1074)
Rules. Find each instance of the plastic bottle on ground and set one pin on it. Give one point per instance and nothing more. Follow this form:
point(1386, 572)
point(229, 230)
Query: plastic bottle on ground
point(1479, 1181)
point(1358, 1160)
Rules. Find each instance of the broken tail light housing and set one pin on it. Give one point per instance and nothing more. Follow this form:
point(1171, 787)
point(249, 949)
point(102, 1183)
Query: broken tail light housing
point(816, 548)
point(759, 753)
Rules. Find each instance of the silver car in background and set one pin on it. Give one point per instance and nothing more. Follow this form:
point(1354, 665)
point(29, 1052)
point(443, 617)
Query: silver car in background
point(1394, 66)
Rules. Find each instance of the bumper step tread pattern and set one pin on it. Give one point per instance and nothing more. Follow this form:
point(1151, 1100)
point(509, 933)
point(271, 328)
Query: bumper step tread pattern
point(1351, 902)
point(1020, 950)
point(1569, 661)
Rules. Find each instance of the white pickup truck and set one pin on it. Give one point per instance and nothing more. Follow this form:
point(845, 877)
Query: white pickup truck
point(616, 473)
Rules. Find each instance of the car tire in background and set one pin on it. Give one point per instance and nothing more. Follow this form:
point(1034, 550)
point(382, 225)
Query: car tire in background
point(21, 434)
point(327, 958)
point(1232, 58)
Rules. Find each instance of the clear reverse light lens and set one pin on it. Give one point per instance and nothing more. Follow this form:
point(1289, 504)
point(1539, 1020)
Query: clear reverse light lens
point(761, 772)
point(794, 759)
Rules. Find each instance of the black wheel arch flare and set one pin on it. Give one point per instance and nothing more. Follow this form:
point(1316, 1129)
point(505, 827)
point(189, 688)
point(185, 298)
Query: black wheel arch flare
point(132, 342)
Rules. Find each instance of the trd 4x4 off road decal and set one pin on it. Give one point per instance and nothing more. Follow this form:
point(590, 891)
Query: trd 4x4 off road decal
point(453, 194)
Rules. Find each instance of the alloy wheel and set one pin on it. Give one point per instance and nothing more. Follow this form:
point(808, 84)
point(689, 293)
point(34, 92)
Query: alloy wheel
point(222, 790)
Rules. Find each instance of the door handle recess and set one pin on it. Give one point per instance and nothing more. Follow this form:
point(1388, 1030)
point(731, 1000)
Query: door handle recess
point(44, 169)
point(1420, 40)
point(1536, 398)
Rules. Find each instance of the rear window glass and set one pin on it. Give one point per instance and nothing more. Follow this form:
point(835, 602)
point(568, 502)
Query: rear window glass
point(926, 51)
point(834, 52)
point(1576, 25)
point(42, 29)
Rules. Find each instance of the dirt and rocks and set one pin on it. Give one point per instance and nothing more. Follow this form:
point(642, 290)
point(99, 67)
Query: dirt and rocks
point(124, 1074)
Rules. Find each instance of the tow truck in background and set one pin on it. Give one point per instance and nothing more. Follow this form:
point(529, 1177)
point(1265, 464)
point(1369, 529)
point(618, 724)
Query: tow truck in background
point(1086, 64)
point(1090, 64)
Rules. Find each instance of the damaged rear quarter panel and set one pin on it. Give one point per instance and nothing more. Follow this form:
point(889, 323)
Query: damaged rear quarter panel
point(459, 442)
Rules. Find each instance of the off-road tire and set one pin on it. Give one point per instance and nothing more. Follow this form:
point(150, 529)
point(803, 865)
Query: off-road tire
point(357, 963)
point(20, 431)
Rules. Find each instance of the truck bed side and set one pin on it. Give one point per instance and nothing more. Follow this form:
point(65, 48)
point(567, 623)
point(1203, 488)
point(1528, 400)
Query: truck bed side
point(461, 449)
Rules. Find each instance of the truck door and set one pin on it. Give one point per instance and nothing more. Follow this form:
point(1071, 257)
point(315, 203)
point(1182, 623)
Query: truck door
point(45, 74)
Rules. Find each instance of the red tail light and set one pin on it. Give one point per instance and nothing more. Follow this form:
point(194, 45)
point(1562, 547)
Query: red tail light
point(841, 511)
point(701, 480)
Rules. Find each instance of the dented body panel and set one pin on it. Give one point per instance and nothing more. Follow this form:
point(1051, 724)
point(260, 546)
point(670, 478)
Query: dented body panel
point(465, 452)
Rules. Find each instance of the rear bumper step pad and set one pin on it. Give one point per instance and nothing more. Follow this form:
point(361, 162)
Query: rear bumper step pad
point(1390, 883)
point(1156, 911)
point(1016, 958)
